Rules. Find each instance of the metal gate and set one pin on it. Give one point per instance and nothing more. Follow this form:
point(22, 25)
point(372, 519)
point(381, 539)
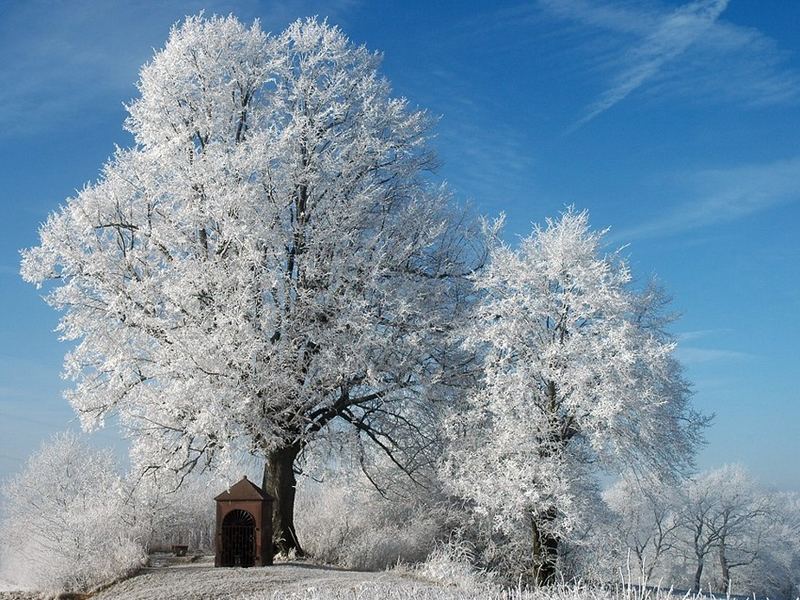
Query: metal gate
point(238, 539)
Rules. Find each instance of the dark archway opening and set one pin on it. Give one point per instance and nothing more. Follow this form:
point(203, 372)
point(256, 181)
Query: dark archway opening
point(238, 539)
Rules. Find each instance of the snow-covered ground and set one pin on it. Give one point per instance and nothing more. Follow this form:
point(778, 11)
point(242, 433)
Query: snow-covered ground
point(7, 586)
point(11, 591)
point(284, 580)
point(301, 581)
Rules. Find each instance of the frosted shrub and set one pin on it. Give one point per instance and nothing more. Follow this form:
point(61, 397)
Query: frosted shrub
point(61, 523)
point(165, 514)
point(344, 522)
point(452, 563)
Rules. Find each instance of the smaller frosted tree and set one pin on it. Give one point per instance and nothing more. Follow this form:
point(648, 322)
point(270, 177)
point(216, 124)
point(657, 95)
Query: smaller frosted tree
point(645, 522)
point(579, 376)
point(776, 571)
point(725, 516)
point(62, 525)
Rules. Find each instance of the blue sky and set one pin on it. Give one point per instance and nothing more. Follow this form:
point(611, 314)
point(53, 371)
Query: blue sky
point(677, 124)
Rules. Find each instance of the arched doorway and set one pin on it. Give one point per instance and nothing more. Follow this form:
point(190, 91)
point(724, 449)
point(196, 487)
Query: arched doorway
point(238, 539)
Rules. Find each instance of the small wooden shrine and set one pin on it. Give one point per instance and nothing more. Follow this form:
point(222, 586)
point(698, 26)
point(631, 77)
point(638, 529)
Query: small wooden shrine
point(244, 526)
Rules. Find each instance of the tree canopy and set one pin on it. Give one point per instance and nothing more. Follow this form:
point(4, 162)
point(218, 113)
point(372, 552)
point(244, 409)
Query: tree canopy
point(578, 377)
point(268, 258)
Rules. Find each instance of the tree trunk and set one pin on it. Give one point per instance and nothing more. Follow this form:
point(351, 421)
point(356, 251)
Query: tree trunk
point(697, 575)
point(545, 549)
point(724, 568)
point(280, 483)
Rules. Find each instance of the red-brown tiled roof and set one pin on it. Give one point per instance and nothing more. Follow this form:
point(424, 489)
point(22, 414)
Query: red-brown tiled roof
point(244, 489)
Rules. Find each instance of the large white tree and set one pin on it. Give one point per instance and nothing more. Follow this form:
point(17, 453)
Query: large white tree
point(579, 376)
point(268, 258)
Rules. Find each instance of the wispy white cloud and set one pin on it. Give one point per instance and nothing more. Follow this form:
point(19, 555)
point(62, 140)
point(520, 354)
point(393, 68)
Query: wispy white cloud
point(489, 164)
point(696, 356)
point(697, 334)
point(668, 40)
point(484, 164)
point(688, 51)
point(724, 195)
point(689, 353)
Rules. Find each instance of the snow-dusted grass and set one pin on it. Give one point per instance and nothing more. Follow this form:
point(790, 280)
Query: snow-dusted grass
point(418, 591)
point(7, 586)
point(451, 564)
point(300, 581)
point(203, 580)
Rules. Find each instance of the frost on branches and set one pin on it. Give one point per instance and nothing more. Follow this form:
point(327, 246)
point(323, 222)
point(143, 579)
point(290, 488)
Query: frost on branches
point(724, 515)
point(62, 524)
point(268, 259)
point(644, 524)
point(579, 377)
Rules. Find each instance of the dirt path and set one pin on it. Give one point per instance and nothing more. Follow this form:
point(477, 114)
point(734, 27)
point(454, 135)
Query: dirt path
point(281, 581)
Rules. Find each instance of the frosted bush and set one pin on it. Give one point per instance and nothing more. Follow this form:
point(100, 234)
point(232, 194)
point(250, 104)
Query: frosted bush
point(347, 523)
point(452, 563)
point(166, 514)
point(62, 523)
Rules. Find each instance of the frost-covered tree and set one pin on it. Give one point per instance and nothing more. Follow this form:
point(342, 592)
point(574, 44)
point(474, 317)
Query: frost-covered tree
point(268, 261)
point(62, 522)
point(725, 515)
point(579, 375)
point(776, 570)
point(742, 521)
point(645, 521)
